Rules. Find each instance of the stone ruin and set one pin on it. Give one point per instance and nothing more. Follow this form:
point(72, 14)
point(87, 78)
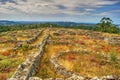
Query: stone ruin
point(74, 76)
point(62, 32)
point(19, 44)
point(29, 67)
point(115, 40)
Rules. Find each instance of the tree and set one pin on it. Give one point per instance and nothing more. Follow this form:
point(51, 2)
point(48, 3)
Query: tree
point(106, 25)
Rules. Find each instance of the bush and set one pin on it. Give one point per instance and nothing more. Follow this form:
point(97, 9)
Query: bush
point(6, 64)
point(9, 63)
point(113, 57)
point(25, 47)
point(100, 56)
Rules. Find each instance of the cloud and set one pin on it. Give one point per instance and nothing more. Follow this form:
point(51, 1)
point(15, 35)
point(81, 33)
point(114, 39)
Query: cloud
point(61, 7)
point(10, 1)
point(108, 13)
point(52, 8)
point(43, 6)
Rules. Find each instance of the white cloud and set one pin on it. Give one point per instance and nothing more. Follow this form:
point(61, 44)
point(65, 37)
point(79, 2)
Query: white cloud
point(115, 11)
point(108, 13)
point(89, 9)
point(44, 6)
point(51, 7)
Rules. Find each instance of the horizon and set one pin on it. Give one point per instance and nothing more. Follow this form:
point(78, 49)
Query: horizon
point(54, 21)
point(43, 21)
point(89, 11)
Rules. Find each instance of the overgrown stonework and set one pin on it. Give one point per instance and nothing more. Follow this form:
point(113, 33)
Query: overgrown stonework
point(28, 41)
point(72, 75)
point(29, 67)
point(114, 41)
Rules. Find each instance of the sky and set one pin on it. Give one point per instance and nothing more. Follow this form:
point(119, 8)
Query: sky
point(60, 10)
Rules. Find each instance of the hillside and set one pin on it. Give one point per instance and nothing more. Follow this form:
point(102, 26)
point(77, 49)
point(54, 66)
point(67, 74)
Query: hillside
point(59, 53)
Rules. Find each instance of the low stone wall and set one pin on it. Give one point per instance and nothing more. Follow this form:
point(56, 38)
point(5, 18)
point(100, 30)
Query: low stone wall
point(29, 67)
point(28, 41)
point(74, 76)
point(113, 40)
point(10, 41)
point(37, 78)
point(34, 38)
point(60, 69)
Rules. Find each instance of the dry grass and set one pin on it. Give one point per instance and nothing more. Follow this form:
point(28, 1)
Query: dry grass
point(45, 68)
point(90, 65)
point(85, 64)
point(9, 60)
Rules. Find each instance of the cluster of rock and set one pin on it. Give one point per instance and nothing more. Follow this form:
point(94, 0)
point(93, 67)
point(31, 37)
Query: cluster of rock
point(107, 57)
point(63, 32)
point(61, 42)
point(75, 77)
point(72, 75)
point(60, 69)
point(35, 46)
point(29, 67)
point(34, 38)
point(91, 34)
point(9, 41)
point(37, 78)
point(115, 40)
point(19, 44)
point(96, 35)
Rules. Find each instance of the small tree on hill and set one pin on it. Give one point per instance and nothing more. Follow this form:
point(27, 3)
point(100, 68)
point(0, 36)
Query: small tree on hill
point(106, 25)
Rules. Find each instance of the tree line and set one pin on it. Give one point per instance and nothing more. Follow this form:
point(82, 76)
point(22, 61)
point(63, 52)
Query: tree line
point(105, 25)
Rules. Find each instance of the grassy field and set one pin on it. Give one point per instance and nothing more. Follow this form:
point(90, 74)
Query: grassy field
point(10, 58)
point(90, 60)
point(90, 64)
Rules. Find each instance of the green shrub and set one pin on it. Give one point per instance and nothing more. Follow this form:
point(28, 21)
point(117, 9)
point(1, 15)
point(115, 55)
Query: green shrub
point(9, 63)
point(76, 67)
point(113, 57)
point(100, 56)
point(117, 66)
point(25, 47)
point(5, 64)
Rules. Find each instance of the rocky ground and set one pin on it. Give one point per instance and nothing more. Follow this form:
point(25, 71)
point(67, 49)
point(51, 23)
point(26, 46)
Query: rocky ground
point(59, 54)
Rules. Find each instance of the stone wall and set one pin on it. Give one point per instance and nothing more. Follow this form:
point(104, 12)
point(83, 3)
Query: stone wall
point(29, 67)
point(28, 41)
point(10, 41)
point(113, 40)
point(74, 76)
point(60, 69)
point(34, 38)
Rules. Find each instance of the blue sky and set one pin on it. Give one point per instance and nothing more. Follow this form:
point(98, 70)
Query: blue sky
point(60, 10)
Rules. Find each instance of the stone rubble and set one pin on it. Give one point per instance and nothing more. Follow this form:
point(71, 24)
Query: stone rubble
point(114, 41)
point(73, 76)
point(28, 41)
point(29, 67)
